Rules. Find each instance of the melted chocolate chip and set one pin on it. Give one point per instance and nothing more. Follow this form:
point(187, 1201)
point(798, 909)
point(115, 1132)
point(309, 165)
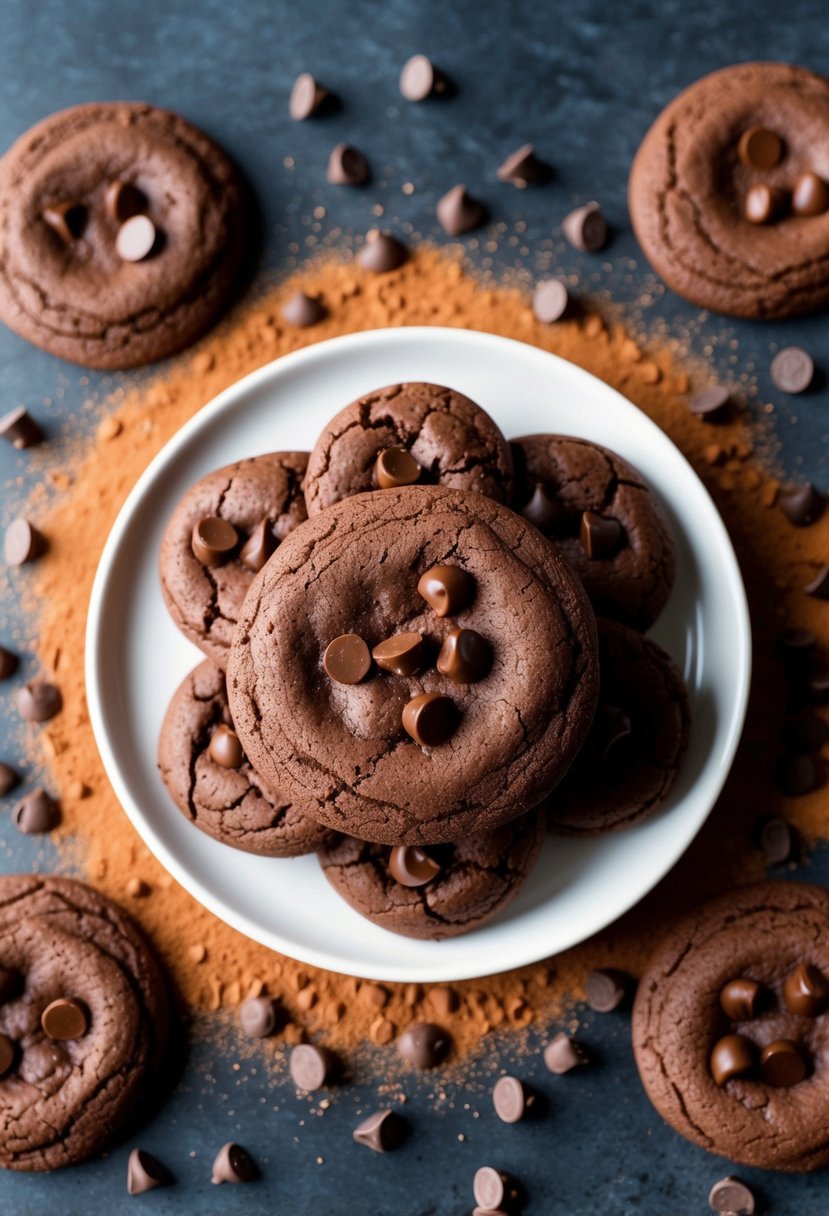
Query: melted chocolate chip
point(740, 999)
point(412, 866)
point(64, 1019)
point(395, 467)
point(259, 547)
point(465, 657)
point(542, 510)
point(225, 748)
point(782, 1064)
point(732, 1056)
point(601, 538)
point(447, 589)
point(806, 991)
point(214, 540)
point(430, 718)
point(402, 654)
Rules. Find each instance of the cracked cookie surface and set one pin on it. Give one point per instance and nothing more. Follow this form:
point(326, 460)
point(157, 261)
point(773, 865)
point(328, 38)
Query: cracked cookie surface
point(688, 186)
point(633, 584)
point(455, 443)
point(205, 601)
point(231, 804)
point(633, 753)
point(340, 751)
point(77, 298)
point(478, 877)
point(61, 1101)
point(760, 932)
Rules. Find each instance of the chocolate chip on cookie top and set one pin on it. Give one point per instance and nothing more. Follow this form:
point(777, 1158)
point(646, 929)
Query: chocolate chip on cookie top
point(604, 518)
point(223, 531)
point(83, 1021)
point(209, 778)
point(728, 192)
point(470, 666)
point(731, 1025)
point(408, 434)
point(122, 233)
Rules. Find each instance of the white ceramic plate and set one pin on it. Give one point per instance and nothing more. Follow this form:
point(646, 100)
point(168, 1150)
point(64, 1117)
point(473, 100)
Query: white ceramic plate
point(136, 658)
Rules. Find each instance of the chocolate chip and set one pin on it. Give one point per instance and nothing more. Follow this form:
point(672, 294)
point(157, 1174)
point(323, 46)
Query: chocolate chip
point(806, 735)
point(760, 148)
point(395, 467)
point(606, 989)
point(233, 1164)
point(740, 999)
point(792, 369)
point(819, 585)
point(425, 1045)
point(420, 79)
point(382, 252)
point(36, 813)
point(67, 219)
point(446, 589)
point(430, 718)
point(411, 866)
point(782, 1064)
point(312, 1067)
point(550, 301)
point(806, 991)
point(347, 659)
point(733, 1056)
point(123, 200)
point(383, 1132)
point(307, 97)
point(563, 1053)
point(259, 1016)
point(459, 212)
point(542, 510)
point(586, 228)
point(798, 775)
point(8, 779)
point(7, 1054)
point(465, 657)
point(512, 1099)
point(810, 195)
point(777, 841)
point(303, 310)
point(225, 749)
point(711, 403)
point(802, 505)
point(601, 538)
point(402, 654)
point(23, 543)
point(347, 166)
point(8, 663)
point(11, 984)
point(38, 701)
point(19, 428)
point(135, 239)
point(259, 547)
point(523, 168)
point(145, 1172)
point(213, 540)
point(493, 1189)
point(763, 204)
point(731, 1197)
point(64, 1019)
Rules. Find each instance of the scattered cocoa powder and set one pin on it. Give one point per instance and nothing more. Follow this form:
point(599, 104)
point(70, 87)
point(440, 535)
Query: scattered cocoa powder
point(213, 966)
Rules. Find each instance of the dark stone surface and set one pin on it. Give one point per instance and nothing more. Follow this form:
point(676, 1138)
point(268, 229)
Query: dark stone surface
point(583, 82)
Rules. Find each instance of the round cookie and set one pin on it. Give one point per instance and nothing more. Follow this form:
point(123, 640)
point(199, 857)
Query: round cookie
point(559, 481)
point(477, 878)
point(205, 601)
point(761, 933)
point(346, 752)
point(634, 750)
point(232, 804)
point(453, 441)
point(61, 1100)
point(690, 180)
point(65, 286)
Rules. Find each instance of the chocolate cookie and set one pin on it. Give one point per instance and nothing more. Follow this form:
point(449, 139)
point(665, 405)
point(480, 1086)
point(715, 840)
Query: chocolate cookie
point(206, 568)
point(83, 1021)
point(414, 665)
point(731, 1026)
point(634, 750)
point(439, 892)
point(122, 234)
point(603, 518)
point(210, 780)
point(408, 433)
point(728, 192)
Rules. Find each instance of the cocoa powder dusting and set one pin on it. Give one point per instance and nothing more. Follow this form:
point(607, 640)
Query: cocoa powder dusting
point(213, 966)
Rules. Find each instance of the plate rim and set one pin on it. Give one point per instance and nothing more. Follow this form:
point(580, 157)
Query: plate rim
point(167, 455)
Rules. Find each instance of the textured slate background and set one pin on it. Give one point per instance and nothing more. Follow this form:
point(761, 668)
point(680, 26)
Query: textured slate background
point(583, 81)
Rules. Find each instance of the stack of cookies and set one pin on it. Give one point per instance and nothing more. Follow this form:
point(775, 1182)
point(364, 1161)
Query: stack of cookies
point(404, 671)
